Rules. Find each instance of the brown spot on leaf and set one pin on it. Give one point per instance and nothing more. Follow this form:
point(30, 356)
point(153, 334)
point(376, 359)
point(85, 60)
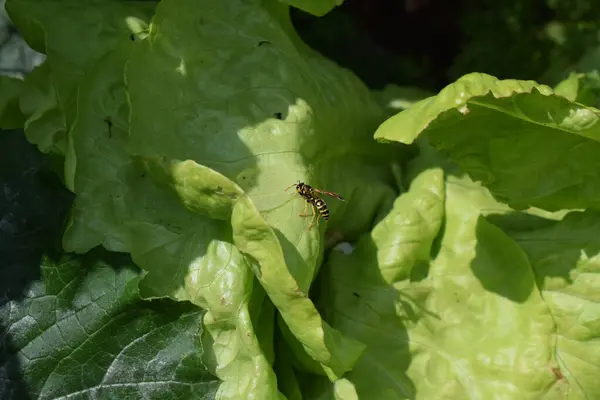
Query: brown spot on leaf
point(558, 374)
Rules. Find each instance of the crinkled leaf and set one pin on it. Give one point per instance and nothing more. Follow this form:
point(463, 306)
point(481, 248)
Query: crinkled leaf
point(254, 237)
point(76, 326)
point(71, 49)
point(82, 331)
point(10, 114)
point(501, 131)
point(458, 317)
point(256, 112)
point(217, 100)
point(189, 257)
point(564, 257)
point(240, 138)
point(44, 121)
point(583, 88)
point(200, 188)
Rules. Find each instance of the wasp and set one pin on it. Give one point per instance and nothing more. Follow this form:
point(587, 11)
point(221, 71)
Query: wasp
point(311, 195)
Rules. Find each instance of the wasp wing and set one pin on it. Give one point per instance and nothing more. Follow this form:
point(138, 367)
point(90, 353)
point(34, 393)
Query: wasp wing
point(332, 194)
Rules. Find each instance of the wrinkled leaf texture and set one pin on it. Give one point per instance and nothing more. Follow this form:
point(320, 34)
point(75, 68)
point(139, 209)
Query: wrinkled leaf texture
point(75, 326)
point(82, 331)
point(74, 36)
point(502, 131)
point(180, 149)
point(452, 306)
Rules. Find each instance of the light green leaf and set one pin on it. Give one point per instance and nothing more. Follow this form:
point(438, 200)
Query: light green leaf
point(502, 131)
point(262, 127)
point(255, 238)
point(565, 258)
point(82, 331)
point(568, 88)
point(227, 120)
point(202, 190)
point(583, 88)
point(10, 114)
point(458, 317)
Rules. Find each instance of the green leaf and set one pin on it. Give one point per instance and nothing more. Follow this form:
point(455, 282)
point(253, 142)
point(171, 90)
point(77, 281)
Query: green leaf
point(200, 189)
point(71, 49)
point(262, 128)
point(83, 331)
point(77, 314)
point(583, 88)
point(255, 238)
point(568, 88)
point(10, 114)
point(287, 381)
point(501, 131)
point(188, 256)
point(203, 190)
point(238, 129)
point(234, 132)
point(315, 7)
point(44, 121)
point(564, 259)
point(453, 313)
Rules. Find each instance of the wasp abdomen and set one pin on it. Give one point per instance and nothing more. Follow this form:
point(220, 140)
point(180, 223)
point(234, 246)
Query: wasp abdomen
point(322, 208)
point(311, 196)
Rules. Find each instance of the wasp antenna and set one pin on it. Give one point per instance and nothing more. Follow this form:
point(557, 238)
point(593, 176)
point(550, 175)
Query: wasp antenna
point(289, 187)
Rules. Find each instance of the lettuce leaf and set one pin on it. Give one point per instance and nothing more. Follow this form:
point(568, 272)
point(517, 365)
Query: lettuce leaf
point(502, 131)
point(75, 326)
point(564, 257)
point(179, 130)
point(188, 256)
point(71, 49)
point(582, 88)
point(450, 305)
point(188, 175)
point(315, 7)
point(44, 124)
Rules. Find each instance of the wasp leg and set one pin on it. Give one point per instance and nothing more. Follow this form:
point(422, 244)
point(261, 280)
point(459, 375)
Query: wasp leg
point(315, 215)
point(303, 213)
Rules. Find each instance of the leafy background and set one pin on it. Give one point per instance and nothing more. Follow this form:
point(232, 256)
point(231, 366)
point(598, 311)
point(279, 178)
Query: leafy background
point(149, 251)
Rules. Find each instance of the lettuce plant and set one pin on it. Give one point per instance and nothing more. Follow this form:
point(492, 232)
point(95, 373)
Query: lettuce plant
point(461, 265)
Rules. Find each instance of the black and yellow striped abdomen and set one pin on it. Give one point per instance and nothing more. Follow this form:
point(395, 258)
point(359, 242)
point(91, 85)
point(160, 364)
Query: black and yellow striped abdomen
point(311, 196)
point(321, 207)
